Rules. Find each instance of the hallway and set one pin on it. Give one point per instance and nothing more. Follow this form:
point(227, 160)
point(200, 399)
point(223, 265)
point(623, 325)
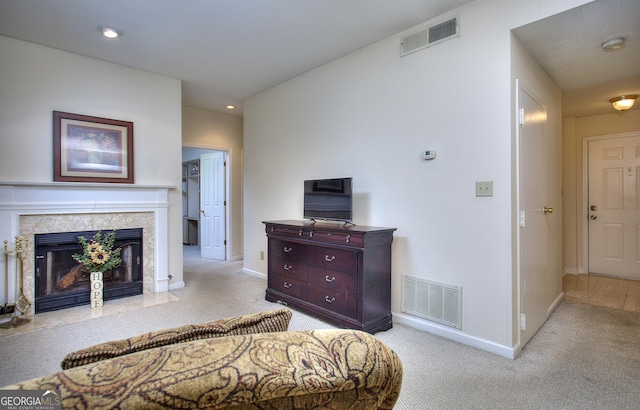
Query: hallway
point(605, 291)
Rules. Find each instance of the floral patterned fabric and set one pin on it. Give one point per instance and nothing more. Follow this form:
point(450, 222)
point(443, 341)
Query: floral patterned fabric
point(320, 369)
point(273, 321)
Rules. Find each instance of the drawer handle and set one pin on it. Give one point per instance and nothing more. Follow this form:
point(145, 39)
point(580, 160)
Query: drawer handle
point(348, 238)
point(287, 267)
point(326, 278)
point(287, 249)
point(287, 285)
point(329, 259)
point(329, 300)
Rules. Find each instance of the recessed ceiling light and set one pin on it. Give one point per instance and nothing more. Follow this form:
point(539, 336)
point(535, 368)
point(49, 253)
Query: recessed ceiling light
point(230, 107)
point(110, 32)
point(613, 44)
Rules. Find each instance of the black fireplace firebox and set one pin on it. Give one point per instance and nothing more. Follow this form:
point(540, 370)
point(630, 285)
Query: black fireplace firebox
point(59, 281)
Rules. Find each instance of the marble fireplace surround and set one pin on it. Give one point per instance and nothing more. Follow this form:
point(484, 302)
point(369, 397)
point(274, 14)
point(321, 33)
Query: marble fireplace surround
point(29, 209)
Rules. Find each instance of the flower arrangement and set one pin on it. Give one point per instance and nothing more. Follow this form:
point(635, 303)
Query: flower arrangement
point(98, 253)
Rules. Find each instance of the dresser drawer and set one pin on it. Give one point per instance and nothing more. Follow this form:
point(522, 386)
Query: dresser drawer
point(338, 302)
point(290, 268)
point(289, 250)
point(333, 281)
point(339, 238)
point(334, 259)
point(288, 231)
point(287, 285)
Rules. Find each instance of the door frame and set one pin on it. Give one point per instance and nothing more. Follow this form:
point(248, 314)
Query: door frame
point(583, 213)
point(227, 192)
point(517, 332)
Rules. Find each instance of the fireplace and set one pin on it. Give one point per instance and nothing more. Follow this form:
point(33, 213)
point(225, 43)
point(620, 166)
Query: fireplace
point(59, 281)
point(29, 209)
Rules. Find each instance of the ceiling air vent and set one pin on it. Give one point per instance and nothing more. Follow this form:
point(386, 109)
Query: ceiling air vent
point(430, 36)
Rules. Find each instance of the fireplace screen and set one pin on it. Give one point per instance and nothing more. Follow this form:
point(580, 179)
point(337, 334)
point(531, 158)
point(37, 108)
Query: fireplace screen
point(60, 282)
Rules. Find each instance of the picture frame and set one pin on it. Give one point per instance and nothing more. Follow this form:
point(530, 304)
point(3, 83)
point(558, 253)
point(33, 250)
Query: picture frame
point(92, 149)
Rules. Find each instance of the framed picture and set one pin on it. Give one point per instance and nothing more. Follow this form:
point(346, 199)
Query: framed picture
point(92, 149)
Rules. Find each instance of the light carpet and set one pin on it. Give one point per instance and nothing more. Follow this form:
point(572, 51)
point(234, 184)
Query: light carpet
point(584, 357)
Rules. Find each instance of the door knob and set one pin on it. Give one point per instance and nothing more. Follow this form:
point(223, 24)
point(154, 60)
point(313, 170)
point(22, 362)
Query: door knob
point(547, 210)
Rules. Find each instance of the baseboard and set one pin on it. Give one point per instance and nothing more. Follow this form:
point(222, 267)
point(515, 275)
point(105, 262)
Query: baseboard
point(254, 273)
point(176, 285)
point(555, 304)
point(454, 334)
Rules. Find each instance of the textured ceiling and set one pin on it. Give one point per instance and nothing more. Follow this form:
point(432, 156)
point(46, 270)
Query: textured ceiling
point(225, 51)
point(567, 46)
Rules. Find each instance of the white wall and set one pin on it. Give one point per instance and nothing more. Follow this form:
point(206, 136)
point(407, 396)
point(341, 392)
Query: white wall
point(36, 80)
point(212, 130)
point(369, 115)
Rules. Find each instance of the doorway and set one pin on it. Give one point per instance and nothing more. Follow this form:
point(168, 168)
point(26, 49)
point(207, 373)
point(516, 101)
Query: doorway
point(213, 222)
point(533, 211)
point(612, 205)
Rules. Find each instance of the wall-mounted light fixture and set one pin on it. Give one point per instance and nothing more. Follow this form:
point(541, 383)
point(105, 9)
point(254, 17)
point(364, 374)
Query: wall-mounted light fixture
point(110, 32)
point(624, 102)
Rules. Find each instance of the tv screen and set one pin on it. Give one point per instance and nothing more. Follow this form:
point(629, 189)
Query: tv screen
point(328, 199)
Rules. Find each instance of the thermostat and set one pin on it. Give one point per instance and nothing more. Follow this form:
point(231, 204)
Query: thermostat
point(429, 153)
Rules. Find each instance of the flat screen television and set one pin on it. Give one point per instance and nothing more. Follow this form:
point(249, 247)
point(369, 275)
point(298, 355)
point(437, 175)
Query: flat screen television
point(328, 199)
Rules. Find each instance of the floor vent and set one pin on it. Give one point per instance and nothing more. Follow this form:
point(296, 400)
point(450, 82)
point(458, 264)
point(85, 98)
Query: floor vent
point(435, 301)
point(430, 36)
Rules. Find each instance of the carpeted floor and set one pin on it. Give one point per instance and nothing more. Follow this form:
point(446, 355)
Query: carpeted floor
point(584, 357)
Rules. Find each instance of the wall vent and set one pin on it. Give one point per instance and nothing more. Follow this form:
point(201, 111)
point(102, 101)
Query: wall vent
point(430, 36)
point(435, 301)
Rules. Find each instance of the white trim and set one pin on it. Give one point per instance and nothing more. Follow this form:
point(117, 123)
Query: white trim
point(254, 273)
point(18, 199)
point(454, 334)
point(522, 87)
point(228, 193)
point(584, 211)
point(176, 285)
point(555, 304)
point(84, 185)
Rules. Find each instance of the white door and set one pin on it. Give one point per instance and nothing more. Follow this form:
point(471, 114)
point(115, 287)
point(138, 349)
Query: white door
point(212, 206)
point(533, 216)
point(614, 206)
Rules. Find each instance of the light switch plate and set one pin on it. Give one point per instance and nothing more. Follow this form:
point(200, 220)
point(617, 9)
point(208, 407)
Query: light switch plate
point(484, 188)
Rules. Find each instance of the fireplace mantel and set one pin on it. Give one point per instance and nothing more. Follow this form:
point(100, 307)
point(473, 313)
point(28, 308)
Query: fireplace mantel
point(78, 203)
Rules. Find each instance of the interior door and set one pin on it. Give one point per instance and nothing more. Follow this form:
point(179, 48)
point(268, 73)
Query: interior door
point(212, 206)
point(614, 206)
point(533, 211)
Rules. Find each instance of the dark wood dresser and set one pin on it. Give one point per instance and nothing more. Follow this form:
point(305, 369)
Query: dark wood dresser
point(341, 274)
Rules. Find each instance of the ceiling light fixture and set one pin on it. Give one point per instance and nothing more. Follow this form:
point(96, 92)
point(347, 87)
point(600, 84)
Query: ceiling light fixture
point(624, 102)
point(230, 107)
point(613, 44)
point(110, 32)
